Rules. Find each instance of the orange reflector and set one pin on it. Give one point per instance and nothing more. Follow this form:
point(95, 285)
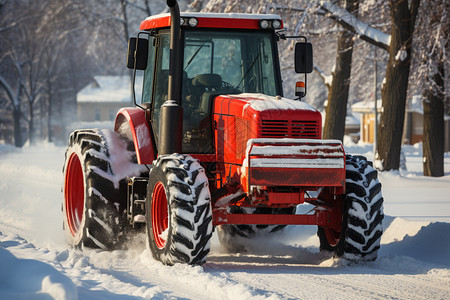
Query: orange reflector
point(300, 84)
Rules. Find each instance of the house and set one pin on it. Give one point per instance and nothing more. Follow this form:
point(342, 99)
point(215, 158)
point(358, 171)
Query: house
point(413, 126)
point(104, 96)
point(366, 111)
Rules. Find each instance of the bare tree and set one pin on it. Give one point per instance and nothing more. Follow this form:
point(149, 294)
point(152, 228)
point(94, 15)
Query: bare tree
point(433, 46)
point(403, 17)
point(338, 96)
point(13, 92)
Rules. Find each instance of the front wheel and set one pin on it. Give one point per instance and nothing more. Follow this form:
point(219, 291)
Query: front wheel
point(362, 215)
point(179, 217)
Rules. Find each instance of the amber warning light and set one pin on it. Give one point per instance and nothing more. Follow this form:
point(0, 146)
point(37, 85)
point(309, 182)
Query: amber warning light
point(300, 89)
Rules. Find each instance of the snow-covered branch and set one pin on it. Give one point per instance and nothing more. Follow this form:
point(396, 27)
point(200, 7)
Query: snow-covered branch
point(352, 23)
point(327, 79)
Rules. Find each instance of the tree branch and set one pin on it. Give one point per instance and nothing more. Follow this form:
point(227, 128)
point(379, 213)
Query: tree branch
point(363, 30)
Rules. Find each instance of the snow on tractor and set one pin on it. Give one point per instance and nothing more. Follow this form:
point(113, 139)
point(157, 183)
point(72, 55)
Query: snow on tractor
point(214, 145)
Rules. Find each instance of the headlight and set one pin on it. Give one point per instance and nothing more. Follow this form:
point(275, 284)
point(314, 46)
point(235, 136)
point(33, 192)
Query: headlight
point(276, 24)
point(193, 22)
point(264, 24)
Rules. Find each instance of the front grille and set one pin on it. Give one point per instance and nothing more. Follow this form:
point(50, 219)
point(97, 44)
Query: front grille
point(308, 129)
point(289, 129)
point(274, 128)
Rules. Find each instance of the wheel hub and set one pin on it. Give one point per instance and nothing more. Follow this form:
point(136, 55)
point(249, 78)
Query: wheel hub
point(160, 216)
point(74, 194)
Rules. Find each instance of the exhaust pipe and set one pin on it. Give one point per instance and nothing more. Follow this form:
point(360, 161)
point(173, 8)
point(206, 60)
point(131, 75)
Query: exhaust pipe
point(171, 118)
point(175, 66)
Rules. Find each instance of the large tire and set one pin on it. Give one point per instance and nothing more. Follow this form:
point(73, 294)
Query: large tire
point(232, 237)
point(178, 210)
point(362, 215)
point(95, 188)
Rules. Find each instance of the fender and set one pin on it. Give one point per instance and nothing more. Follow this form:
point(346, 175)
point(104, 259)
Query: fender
point(139, 131)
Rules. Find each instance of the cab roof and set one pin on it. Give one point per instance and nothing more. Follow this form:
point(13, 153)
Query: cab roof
point(213, 20)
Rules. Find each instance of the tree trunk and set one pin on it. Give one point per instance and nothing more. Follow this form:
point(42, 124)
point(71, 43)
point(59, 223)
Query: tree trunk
point(336, 111)
point(394, 90)
point(433, 127)
point(49, 110)
point(17, 129)
point(31, 124)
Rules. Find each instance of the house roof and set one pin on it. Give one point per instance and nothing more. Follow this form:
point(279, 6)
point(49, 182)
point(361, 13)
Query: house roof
point(350, 119)
point(366, 106)
point(109, 89)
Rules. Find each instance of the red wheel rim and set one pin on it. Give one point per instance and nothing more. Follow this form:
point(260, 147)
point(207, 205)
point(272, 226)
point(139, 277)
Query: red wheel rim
point(74, 194)
point(332, 236)
point(160, 216)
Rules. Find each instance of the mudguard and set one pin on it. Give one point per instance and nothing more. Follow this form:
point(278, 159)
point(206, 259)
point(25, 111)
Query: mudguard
point(138, 130)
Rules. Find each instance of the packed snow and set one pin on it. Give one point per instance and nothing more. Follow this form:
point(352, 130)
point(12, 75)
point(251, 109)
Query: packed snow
point(36, 262)
point(261, 102)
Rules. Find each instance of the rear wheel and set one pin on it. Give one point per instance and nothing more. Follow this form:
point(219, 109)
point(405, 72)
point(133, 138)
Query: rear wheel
point(94, 189)
point(361, 230)
point(179, 218)
point(232, 237)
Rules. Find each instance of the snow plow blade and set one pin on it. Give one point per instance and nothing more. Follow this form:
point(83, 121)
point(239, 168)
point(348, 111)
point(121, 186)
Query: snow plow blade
point(294, 162)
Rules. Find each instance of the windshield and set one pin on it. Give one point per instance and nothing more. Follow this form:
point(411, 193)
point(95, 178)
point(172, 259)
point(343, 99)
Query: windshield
point(243, 60)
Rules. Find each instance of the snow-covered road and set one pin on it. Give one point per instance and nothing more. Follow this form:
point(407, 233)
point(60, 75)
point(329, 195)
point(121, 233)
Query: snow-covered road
point(35, 262)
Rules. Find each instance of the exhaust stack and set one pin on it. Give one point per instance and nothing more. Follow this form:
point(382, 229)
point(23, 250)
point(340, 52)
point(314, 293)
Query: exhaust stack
point(171, 119)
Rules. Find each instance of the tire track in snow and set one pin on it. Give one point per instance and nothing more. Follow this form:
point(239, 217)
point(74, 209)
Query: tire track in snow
point(330, 279)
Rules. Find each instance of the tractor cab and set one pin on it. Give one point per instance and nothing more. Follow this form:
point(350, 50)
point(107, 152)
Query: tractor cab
point(220, 54)
point(215, 62)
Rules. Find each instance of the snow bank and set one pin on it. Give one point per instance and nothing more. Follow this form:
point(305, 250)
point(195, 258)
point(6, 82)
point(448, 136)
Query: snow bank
point(29, 278)
point(430, 244)
point(6, 148)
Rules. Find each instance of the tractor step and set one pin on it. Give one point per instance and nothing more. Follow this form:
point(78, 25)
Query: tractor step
point(136, 195)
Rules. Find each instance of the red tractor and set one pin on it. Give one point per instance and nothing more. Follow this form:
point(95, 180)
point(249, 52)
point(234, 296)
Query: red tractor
point(213, 145)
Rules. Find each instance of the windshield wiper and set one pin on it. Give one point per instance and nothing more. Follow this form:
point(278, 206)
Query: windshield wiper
point(248, 71)
point(194, 55)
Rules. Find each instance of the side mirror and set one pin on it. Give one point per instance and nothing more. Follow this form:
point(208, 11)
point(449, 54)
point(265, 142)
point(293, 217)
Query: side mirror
point(303, 58)
point(141, 53)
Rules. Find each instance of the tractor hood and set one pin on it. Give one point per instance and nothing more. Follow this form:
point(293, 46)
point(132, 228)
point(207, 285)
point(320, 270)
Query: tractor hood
point(272, 117)
point(239, 118)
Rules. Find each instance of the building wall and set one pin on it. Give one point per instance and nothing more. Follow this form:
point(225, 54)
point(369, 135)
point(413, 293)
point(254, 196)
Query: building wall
point(367, 130)
point(416, 128)
point(104, 111)
point(412, 131)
